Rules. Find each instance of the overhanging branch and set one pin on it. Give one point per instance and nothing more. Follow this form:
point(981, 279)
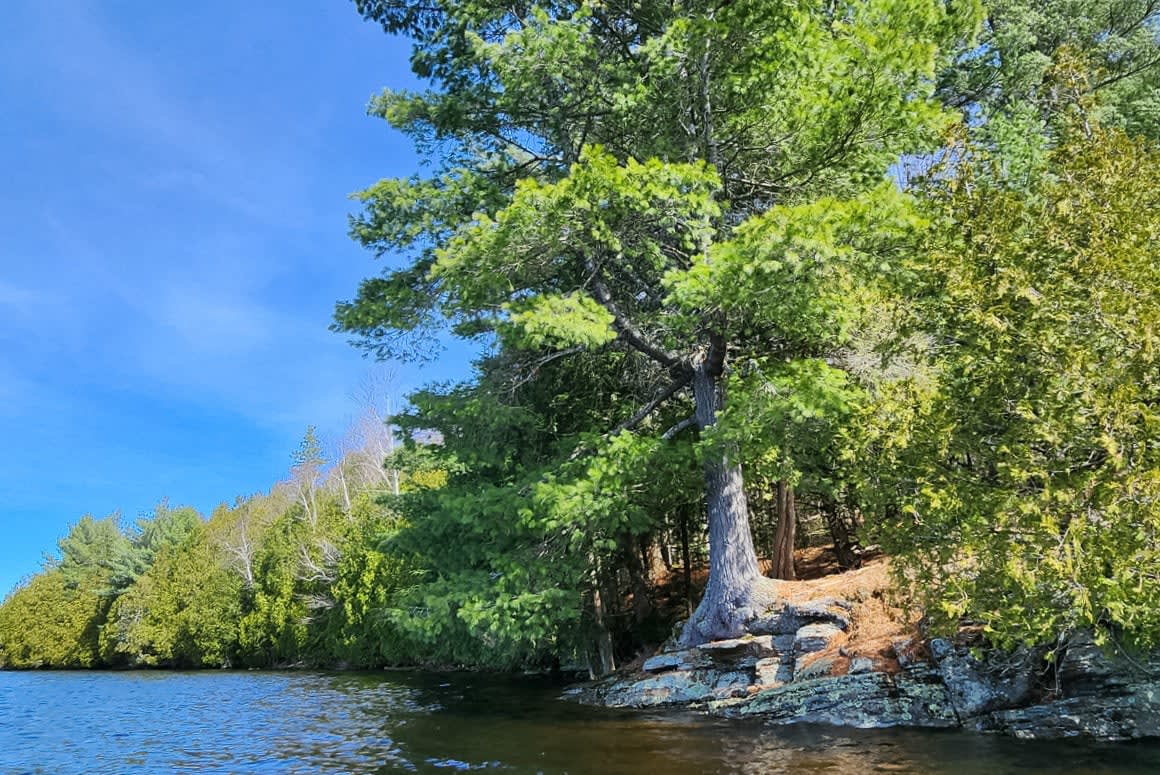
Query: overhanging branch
point(688, 422)
point(629, 332)
point(534, 368)
point(652, 405)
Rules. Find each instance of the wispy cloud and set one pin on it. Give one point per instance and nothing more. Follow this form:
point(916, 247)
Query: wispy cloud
point(84, 71)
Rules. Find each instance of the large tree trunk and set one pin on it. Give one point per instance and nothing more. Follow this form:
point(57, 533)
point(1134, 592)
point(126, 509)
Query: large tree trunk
point(735, 593)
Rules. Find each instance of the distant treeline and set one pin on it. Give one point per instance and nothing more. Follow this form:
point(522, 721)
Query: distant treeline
point(292, 576)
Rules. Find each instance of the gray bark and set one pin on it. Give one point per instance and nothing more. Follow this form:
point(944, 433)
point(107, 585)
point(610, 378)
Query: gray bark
point(729, 600)
point(603, 661)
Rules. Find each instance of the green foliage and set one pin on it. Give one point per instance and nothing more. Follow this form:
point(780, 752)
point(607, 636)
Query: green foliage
point(1021, 487)
point(258, 585)
point(51, 621)
point(356, 629)
point(623, 194)
point(508, 566)
point(96, 554)
point(675, 188)
point(560, 321)
point(273, 630)
point(567, 133)
point(183, 612)
point(309, 452)
point(1009, 85)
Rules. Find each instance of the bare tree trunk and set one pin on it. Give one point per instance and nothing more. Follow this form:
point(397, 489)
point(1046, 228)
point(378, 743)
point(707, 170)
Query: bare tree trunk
point(603, 661)
point(654, 557)
point(666, 551)
point(786, 532)
point(733, 596)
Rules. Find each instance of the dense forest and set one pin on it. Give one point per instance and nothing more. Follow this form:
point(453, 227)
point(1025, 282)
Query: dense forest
point(748, 276)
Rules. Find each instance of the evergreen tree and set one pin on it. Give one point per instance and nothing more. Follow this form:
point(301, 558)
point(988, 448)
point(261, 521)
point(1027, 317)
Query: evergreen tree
point(611, 173)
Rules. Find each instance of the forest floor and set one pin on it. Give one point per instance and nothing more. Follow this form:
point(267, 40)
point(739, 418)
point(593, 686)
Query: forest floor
point(879, 623)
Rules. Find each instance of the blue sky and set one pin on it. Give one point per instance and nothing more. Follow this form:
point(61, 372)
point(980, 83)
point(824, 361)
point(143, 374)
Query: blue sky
point(173, 202)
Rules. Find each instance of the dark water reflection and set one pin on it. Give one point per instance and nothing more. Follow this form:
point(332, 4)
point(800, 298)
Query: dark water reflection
point(399, 722)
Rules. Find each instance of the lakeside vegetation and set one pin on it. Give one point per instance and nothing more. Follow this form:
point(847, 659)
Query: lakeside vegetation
point(885, 266)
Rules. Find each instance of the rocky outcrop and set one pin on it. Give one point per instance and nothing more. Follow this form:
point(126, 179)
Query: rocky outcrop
point(1098, 692)
point(976, 686)
point(868, 700)
point(788, 645)
point(801, 665)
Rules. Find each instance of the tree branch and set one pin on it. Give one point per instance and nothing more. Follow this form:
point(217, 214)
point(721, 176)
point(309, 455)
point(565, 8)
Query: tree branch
point(676, 429)
point(652, 405)
point(629, 332)
point(534, 368)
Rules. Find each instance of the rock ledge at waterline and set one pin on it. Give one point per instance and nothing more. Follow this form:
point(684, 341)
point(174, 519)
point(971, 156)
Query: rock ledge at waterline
point(805, 662)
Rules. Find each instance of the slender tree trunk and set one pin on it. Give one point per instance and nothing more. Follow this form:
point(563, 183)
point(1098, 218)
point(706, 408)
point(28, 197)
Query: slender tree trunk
point(786, 532)
point(345, 487)
point(638, 578)
point(730, 599)
point(605, 660)
point(686, 563)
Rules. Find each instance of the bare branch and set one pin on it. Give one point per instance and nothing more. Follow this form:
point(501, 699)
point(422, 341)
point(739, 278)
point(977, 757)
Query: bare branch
point(629, 332)
point(652, 405)
point(322, 570)
point(534, 368)
point(672, 432)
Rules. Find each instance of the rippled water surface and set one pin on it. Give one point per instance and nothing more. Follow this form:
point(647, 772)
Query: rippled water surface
point(398, 722)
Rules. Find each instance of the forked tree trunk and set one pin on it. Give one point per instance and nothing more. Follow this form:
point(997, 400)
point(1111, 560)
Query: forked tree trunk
point(786, 533)
point(733, 595)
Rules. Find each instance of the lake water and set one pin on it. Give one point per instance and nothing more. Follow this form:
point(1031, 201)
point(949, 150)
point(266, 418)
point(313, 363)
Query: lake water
point(87, 722)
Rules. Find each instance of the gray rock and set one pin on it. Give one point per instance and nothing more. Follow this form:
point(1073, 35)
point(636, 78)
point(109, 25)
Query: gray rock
point(672, 688)
point(677, 687)
point(1131, 715)
point(940, 648)
point(819, 668)
point(903, 648)
point(688, 659)
point(773, 671)
point(828, 609)
point(732, 684)
point(1086, 669)
point(859, 665)
point(978, 687)
point(815, 637)
point(759, 646)
point(780, 621)
point(788, 618)
point(871, 700)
